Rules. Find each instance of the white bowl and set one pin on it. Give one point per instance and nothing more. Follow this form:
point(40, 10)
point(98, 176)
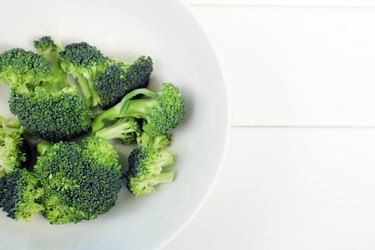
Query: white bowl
point(166, 31)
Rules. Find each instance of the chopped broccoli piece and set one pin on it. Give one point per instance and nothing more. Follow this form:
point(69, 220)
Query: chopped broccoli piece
point(19, 195)
point(18, 66)
point(52, 116)
point(11, 141)
point(126, 129)
point(161, 112)
point(80, 183)
point(47, 48)
point(156, 142)
point(84, 62)
point(120, 78)
point(146, 170)
point(41, 96)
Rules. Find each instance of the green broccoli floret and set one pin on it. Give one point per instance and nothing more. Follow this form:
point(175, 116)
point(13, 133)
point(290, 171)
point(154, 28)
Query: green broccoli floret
point(146, 170)
point(84, 62)
point(20, 194)
point(48, 49)
point(18, 66)
point(120, 78)
point(161, 112)
point(11, 141)
point(52, 116)
point(80, 183)
point(41, 97)
point(156, 142)
point(125, 129)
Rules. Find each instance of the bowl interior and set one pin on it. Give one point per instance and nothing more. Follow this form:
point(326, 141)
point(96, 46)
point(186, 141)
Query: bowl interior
point(166, 31)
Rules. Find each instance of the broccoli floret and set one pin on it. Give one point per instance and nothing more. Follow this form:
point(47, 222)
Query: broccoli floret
point(80, 183)
point(156, 142)
point(40, 97)
point(161, 112)
point(47, 48)
point(11, 141)
point(125, 129)
point(146, 170)
point(84, 62)
point(120, 78)
point(20, 194)
point(18, 66)
point(52, 116)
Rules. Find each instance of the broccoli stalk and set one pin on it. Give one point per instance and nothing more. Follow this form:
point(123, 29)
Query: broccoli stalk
point(47, 48)
point(43, 146)
point(156, 142)
point(125, 129)
point(11, 141)
point(162, 111)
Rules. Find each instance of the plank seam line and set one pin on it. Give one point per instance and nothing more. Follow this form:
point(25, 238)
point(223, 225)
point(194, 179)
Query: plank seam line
point(306, 126)
point(253, 5)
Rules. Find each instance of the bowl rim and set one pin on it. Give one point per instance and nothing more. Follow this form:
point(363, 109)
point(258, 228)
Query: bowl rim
point(213, 181)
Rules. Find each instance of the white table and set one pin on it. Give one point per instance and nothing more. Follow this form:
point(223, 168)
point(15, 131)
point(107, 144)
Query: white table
point(300, 170)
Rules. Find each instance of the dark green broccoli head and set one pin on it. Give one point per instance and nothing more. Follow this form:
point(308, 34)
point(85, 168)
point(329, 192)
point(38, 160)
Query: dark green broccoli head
point(21, 67)
point(80, 183)
point(119, 79)
point(81, 57)
point(52, 116)
point(146, 170)
point(20, 194)
point(127, 130)
point(84, 62)
point(11, 141)
point(161, 112)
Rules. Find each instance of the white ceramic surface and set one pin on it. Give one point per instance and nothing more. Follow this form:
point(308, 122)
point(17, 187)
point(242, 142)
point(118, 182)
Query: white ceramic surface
point(165, 30)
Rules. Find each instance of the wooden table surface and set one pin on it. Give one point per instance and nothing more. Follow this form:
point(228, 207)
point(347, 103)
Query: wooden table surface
point(300, 169)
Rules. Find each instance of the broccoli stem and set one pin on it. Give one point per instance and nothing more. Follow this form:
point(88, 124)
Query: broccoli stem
point(43, 146)
point(121, 130)
point(126, 108)
point(85, 89)
point(165, 161)
point(162, 178)
point(60, 80)
point(55, 86)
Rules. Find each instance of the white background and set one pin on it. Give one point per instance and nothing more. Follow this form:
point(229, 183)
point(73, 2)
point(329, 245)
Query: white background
point(300, 169)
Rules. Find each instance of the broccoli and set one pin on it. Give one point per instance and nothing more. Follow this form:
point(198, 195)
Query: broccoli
point(84, 62)
point(47, 48)
point(125, 129)
point(18, 66)
point(156, 142)
point(120, 78)
point(146, 169)
point(20, 194)
point(161, 112)
point(80, 182)
point(42, 100)
point(52, 116)
point(11, 142)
